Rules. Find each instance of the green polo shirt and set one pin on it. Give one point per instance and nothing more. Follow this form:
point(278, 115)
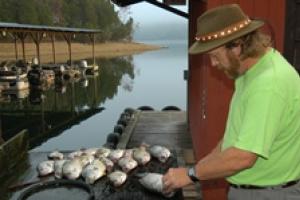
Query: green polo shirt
point(264, 118)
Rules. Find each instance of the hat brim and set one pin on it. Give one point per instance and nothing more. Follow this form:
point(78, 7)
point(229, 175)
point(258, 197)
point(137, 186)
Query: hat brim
point(202, 47)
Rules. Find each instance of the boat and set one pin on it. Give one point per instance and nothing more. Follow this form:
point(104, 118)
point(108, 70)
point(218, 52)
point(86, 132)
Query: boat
point(85, 68)
point(38, 76)
point(71, 73)
point(15, 94)
point(19, 84)
point(91, 69)
point(12, 70)
point(11, 75)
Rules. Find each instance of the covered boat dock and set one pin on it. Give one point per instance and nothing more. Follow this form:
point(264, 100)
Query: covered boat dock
point(19, 32)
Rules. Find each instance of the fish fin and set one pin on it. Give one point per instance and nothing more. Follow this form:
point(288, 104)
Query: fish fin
point(145, 145)
point(141, 174)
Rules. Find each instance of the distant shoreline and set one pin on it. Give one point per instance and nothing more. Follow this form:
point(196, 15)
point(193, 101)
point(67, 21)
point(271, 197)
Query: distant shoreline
point(79, 50)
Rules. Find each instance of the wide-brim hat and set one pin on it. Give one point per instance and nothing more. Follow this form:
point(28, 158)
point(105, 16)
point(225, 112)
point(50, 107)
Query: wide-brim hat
point(221, 25)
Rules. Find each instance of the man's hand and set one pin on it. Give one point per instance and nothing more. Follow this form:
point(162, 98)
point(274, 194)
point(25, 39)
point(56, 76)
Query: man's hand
point(175, 178)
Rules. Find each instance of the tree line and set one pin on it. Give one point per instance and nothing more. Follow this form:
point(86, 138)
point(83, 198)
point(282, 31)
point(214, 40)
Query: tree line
point(92, 14)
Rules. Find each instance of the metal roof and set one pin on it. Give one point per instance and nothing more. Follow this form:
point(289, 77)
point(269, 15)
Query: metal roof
point(163, 5)
point(30, 27)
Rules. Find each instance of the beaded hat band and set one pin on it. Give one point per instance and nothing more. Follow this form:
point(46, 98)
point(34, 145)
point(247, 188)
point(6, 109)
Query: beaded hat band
point(225, 32)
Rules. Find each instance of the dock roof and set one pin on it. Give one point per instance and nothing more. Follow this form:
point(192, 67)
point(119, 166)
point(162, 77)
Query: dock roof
point(40, 28)
point(38, 32)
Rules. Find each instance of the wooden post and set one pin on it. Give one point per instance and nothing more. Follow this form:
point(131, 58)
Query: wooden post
point(92, 39)
point(68, 38)
point(43, 122)
point(15, 38)
point(73, 103)
point(22, 36)
point(16, 45)
point(53, 46)
point(95, 92)
point(23, 49)
point(37, 38)
point(94, 59)
point(70, 51)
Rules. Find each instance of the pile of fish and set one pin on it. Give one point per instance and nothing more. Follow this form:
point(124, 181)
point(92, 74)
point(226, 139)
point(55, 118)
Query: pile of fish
point(93, 163)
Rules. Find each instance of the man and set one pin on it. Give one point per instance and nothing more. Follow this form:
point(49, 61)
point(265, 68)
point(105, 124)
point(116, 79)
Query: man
point(259, 153)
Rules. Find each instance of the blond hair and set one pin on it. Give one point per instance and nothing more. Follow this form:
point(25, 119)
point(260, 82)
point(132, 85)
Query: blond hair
point(253, 44)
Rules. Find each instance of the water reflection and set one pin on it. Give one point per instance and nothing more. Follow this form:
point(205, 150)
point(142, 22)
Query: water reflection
point(49, 110)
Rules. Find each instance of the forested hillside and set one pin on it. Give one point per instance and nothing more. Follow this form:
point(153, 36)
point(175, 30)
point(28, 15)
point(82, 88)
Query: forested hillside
point(94, 14)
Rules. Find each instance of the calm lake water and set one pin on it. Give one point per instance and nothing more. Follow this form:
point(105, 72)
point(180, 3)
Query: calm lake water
point(81, 114)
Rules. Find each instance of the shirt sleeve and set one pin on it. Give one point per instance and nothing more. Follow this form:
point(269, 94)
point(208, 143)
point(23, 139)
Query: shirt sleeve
point(261, 121)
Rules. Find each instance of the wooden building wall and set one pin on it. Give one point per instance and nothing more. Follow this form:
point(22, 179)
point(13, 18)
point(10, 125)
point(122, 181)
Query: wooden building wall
point(210, 91)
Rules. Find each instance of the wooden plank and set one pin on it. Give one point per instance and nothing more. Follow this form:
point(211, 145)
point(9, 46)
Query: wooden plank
point(14, 149)
point(125, 137)
point(169, 126)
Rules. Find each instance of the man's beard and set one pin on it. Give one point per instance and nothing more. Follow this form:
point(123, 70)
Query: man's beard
point(232, 70)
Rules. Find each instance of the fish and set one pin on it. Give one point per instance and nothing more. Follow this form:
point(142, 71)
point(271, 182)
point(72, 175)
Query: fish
point(58, 168)
point(55, 155)
point(45, 167)
point(117, 178)
point(91, 151)
point(74, 154)
point(108, 163)
point(72, 169)
point(85, 159)
point(128, 153)
point(127, 164)
point(141, 156)
point(160, 152)
point(93, 171)
point(153, 182)
point(116, 154)
point(102, 152)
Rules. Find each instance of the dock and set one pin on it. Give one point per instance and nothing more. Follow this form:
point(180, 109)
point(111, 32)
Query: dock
point(167, 128)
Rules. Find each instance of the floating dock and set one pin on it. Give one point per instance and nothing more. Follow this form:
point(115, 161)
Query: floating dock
point(167, 128)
